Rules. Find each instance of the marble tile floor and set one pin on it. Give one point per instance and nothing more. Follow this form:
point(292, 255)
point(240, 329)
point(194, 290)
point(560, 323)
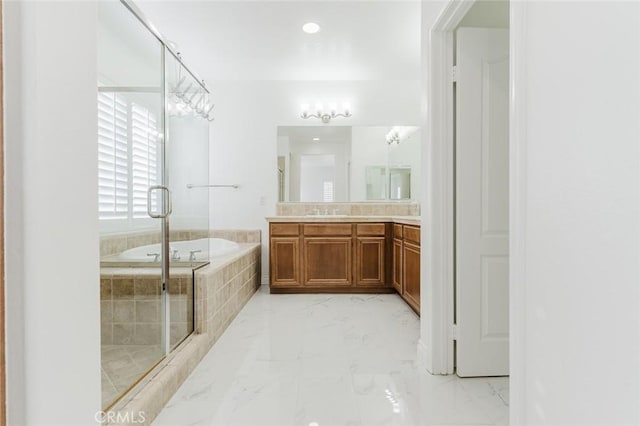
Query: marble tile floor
point(325, 360)
point(122, 365)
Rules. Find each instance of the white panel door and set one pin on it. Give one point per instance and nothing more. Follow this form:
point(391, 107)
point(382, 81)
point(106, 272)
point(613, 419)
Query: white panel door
point(482, 203)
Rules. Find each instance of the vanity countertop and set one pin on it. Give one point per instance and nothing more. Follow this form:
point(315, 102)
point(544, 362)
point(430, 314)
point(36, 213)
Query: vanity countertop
point(406, 220)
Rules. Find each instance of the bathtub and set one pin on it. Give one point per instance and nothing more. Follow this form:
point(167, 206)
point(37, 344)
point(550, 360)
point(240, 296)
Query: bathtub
point(201, 250)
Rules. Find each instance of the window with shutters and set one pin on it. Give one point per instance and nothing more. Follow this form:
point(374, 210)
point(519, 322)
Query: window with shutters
point(128, 157)
point(327, 192)
point(144, 158)
point(113, 157)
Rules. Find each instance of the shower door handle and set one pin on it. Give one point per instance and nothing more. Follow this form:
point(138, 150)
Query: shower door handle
point(167, 205)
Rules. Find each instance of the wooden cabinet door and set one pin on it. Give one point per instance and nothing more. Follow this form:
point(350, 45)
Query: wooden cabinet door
point(369, 261)
point(411, 275)
point(285, 261)
point(327, 261)
point(397, 265)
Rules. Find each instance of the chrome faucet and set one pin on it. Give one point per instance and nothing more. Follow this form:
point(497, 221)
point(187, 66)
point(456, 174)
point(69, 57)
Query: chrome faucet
point(192, 255)
point(174, 255)
point(156, 256)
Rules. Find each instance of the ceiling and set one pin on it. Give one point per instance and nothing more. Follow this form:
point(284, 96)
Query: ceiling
point(263, 40)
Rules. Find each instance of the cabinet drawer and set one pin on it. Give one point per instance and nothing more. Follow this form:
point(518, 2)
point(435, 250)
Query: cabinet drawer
point(412, 233)
point(327, 229)
point(284, 229)
point(375, 229)
point(397, 231)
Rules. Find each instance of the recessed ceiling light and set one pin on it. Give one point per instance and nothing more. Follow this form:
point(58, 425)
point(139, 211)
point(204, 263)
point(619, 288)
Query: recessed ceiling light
point(311, 28)
point(316, 139)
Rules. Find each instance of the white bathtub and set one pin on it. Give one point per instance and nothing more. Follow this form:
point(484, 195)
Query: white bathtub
point(209, 248)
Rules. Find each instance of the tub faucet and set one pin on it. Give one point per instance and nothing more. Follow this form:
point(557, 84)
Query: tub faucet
point(156, 256)
point(192, 255)
point(174, 255)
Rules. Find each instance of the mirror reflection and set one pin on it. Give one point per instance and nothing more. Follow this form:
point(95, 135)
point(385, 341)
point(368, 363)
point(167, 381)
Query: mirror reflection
point(348, 163)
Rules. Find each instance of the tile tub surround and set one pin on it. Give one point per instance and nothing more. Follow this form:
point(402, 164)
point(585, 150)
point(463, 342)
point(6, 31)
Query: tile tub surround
point(351, 209)
point(298, 359)
point(222, 289)
point(130, 305)
point(111, 244)
point(117, 243)
point(238, 235)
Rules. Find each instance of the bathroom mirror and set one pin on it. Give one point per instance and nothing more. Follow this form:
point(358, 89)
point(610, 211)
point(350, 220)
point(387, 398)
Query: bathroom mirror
point(348, 163)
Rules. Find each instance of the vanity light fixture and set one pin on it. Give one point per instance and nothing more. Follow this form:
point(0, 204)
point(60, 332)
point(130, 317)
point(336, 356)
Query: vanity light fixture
point(324, 115)
point(311, 28)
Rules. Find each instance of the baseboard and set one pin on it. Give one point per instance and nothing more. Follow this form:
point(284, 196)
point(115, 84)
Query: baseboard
point(423, 357)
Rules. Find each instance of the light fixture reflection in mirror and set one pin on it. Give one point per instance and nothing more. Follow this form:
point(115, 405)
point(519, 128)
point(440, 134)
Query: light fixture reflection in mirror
point(365, 166)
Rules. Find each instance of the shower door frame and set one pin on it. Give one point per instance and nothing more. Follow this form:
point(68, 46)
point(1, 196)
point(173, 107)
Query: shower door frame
point(3, 390)
point(166, 262)
point(165, 342)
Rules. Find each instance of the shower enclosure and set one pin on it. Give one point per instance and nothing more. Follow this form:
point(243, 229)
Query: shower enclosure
point(153, 121)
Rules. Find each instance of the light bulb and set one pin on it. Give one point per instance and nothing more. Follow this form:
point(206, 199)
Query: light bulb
point(311, 28)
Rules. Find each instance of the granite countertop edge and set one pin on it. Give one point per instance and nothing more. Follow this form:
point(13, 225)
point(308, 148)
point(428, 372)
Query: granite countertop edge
point(406, 220)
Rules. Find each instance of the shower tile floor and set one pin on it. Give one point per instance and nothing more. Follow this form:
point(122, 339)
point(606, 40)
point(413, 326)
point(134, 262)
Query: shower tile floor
point(122, 365)
point(328, 360)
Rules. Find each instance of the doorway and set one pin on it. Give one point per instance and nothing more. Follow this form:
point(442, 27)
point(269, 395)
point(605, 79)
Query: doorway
point(481, 200)
point(452, 200)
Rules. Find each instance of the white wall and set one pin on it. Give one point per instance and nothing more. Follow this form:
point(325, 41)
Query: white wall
point(53, 324)
point(244, 137)
point(575, 213)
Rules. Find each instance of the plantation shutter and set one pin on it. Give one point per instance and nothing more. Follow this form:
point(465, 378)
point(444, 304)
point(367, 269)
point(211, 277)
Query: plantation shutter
point(113, 161)
point(144, 166)
point(327, 192)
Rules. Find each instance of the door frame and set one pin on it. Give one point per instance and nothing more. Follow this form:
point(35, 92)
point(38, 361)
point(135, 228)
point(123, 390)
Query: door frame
point(437, 353)
point(3, 390)
point(439, 211)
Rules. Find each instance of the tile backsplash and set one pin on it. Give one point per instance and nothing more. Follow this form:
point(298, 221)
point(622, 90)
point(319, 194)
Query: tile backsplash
point(351, 209)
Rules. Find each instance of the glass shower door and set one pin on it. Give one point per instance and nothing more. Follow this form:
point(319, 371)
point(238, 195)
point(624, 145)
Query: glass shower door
point(130, 156)
point(186, 171)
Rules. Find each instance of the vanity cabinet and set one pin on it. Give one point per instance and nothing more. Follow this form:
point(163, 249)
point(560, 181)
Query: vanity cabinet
point(284, 247)
point(397, 258)
point(406, 264)
point(329, 257)
point(326, 255)
point(370, 254)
